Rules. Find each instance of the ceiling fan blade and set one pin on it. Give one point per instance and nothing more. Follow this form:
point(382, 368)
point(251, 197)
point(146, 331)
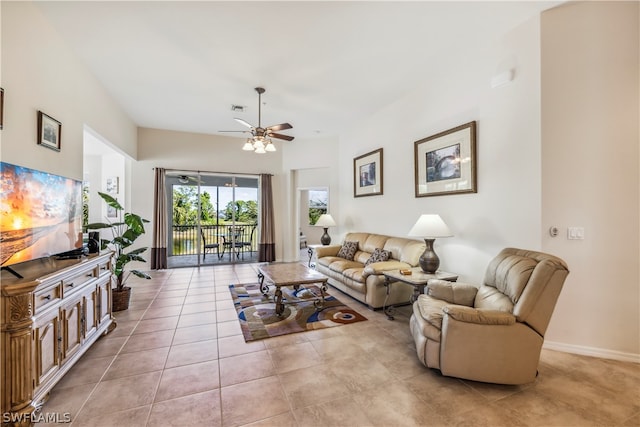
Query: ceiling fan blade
point(240, 131)
point(280, 136)
point(243, 122)
point(281, 126)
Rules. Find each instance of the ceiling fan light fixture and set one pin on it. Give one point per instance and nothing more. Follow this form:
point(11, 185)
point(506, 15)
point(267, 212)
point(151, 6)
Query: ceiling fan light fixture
point(270, 147)
point(260, 150)
point(258, 142)
point(248, 146)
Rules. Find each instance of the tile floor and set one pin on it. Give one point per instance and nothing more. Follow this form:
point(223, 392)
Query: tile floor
point(178, 358)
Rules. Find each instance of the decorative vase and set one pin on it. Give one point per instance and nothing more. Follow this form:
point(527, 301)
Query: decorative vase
point(120, 298)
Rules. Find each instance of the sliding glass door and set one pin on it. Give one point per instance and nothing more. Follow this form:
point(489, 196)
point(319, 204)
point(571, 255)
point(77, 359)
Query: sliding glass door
point(212, 218)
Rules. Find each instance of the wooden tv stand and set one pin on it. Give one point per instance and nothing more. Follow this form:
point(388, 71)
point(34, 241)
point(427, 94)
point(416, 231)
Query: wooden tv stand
point(48, 319)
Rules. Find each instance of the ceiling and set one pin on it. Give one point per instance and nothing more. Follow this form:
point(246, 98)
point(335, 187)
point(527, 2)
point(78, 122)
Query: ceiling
point(325, 65)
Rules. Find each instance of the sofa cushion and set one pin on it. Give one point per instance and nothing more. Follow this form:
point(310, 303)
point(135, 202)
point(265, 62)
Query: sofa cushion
point(378, 255)
point(348, 250)
point(340, 265)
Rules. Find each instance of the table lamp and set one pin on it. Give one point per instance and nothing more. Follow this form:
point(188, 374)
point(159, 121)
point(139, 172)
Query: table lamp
point(325, 221)
point(430, 227)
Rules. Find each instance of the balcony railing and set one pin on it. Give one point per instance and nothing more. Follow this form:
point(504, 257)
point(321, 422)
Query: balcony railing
point(237, 239)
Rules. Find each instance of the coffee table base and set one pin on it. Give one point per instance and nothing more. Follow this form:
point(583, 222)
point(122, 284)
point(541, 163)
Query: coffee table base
point(318, 302)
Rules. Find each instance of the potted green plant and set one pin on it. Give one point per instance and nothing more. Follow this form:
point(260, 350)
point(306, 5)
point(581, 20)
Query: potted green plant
point(125, 232)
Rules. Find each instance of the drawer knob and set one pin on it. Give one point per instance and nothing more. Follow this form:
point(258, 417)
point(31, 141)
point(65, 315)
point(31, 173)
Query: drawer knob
point(47, 297)
point(70, 284)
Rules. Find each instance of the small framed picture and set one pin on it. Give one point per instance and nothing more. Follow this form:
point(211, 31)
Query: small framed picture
point(367, 174)
point(445, 163)
point(113, 185)
point(111, 212)
point(49, 131)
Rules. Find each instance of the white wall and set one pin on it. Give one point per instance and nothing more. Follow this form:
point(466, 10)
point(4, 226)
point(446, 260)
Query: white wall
point(40, 72)
point(199, 152)
point(590, 174)
point(506, 209)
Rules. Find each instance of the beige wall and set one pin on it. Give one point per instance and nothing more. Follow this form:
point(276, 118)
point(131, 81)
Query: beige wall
point(590, 179)
point(199, 152)
point(40, 72)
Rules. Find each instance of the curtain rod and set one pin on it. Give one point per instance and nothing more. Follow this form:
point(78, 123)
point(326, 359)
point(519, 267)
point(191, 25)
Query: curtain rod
point(226, 173)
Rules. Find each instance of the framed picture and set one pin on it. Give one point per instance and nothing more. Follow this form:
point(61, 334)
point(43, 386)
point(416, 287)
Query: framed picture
point(113, 185)
point(367, 174)
point(49, 131)
point(111, 212)
point(445, 163)
point(1, 108)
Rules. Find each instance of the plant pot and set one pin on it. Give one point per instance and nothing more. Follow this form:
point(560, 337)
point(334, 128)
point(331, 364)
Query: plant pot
point(120, 299)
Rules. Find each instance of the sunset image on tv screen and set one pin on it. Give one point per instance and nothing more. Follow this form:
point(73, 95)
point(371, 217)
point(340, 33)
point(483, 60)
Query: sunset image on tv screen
point(40, 214)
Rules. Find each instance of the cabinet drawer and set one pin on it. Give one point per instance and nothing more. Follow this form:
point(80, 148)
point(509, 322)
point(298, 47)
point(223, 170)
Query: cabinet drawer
point(44, 298)
point(104, 267)
point(76, 282)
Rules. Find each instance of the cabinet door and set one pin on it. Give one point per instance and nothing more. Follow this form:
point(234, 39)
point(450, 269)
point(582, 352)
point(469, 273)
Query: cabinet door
point(90, 303)
point(104, 301)
point(72, 327)
point(47, 351)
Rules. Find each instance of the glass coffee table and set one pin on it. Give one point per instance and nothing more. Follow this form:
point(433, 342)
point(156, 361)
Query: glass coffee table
point(290, 274)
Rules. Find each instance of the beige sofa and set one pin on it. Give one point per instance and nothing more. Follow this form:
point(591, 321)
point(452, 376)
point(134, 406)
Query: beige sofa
point(366, 283)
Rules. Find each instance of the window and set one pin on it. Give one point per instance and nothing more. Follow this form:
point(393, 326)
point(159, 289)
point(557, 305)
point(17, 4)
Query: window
point(318, 202)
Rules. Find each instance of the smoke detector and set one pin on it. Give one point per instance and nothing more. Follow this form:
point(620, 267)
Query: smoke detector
point(238, 108)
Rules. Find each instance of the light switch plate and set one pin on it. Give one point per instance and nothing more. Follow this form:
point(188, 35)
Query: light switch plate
point(575, 233)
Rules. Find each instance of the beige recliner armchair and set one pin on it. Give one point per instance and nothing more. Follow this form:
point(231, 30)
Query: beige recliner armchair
point(493, 333)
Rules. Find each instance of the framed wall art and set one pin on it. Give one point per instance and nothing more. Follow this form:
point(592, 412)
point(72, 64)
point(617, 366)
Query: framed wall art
point(367, 174)
point(445, 163)
point(49, 131)
point(113, 185)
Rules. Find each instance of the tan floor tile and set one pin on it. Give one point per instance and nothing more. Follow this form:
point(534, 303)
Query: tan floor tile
point(339, 347)
point(135, 417)
point(195, 333)
point(123, 328)
point(226, 329)
point(245, 367)
point(339, 412)
point(283, 420)
point(156, 312)
point(121, 394)
point(197, 319)
point(234, 345)
point(149, 341)
point(105, 346)
point(202, 409)
point(127, 364)
point(85, 371)
point(358, 376)
point(167, 302)
point(295, 356)
point(199, 307)
point(195, 352)
point(171, 294)
point(325, 386)
point(159, 324)
point(66, 403)
point(229, 315)
point(266, 396)
point(189, 379)
point(197, 299)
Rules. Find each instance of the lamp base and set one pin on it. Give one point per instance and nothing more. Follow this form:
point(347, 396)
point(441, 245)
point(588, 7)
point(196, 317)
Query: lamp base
point(325, 239)
point(429, 261)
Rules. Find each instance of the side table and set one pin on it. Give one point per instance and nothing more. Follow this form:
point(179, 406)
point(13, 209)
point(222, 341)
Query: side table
point(311, 250)
point(418, 279)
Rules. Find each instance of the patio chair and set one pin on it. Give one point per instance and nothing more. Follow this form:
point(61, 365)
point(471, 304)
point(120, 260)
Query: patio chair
point(232, 241)
point(208, 247)
point(247, 245)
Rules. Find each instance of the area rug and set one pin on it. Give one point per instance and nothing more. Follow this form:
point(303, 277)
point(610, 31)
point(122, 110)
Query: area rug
point(258, 318)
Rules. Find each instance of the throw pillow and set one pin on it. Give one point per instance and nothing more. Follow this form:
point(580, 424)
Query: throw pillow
point(378, 255)
point(348, 250)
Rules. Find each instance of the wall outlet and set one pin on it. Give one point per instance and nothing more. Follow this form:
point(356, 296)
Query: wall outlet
point(575, 233)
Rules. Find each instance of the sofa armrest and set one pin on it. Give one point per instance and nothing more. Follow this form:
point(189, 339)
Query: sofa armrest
point(331, 250)
point(482, 317)
point(380, 267)
point(452, 292)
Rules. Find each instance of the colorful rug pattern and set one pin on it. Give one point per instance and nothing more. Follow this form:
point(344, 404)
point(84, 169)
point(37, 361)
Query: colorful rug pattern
point(257, 313)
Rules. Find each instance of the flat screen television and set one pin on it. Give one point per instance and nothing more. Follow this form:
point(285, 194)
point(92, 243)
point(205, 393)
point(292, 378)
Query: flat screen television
point(40, 214)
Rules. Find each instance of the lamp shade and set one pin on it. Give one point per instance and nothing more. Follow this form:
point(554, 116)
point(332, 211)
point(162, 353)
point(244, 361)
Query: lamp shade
point(325, 220)
point(430, 226)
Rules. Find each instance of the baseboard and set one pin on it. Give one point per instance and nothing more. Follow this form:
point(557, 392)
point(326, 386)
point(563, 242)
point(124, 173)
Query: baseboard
point(592, 351)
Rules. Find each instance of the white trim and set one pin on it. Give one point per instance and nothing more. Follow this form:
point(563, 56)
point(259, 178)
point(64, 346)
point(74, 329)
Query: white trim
point(592, 351)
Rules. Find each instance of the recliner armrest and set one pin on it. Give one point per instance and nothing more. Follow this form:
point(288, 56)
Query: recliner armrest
point(381, 266)
point(452, 292)
point(483, 317)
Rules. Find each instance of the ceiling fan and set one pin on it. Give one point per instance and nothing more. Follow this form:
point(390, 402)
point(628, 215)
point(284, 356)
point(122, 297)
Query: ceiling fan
point(260, 140)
